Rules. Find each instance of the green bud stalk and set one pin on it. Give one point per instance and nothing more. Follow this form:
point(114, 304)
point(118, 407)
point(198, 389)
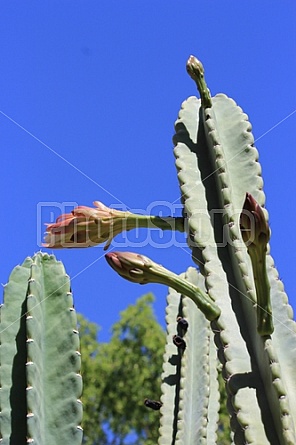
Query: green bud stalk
point(195, 70)
point(141, 269)
point(255, 233)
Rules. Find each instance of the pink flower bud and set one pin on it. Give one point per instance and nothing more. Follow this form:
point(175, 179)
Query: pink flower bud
point(131, 266)
point(86, 227)
point(256, 234)
point(253, 225)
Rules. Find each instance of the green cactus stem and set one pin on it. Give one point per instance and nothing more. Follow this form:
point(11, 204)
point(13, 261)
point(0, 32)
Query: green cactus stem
point(217, 165)
point(190, 396)
point(40, 359)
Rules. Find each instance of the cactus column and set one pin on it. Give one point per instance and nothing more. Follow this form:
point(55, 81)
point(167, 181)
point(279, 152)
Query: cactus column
point(40, 358)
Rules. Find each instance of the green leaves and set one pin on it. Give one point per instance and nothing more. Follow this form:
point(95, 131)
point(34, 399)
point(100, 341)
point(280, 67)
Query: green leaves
point(118, 376)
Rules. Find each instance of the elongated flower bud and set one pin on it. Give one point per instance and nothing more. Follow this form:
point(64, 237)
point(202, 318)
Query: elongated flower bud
point(87, 226)
point(196, 71)
point(255, 233)
point(254, 227)
point(141, 269)
point(131, 266)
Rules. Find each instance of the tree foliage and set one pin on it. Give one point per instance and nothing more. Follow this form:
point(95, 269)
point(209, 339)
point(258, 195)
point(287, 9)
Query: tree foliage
point(119, 375)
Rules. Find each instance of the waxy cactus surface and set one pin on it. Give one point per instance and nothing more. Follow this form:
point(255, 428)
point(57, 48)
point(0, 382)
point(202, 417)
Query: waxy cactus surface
point(40, 359)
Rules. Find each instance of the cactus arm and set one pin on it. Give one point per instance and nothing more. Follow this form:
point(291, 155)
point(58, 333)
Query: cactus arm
point(186, 379)
point(44, 361)
point(229, 137)
point(54, 382)
point(13, 425)
point(198, 192)
point(233, 354)
point(224, 144)
point(198, 385)
point(170, 375)
point(284, 341)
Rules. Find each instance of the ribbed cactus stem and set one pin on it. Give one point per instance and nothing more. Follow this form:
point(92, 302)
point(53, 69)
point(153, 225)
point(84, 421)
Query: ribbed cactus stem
point(195, 70)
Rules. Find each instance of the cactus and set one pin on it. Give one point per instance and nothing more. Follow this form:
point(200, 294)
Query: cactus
point(217, 166)
point(189, 378)
point(252, 330)
point(40, 359)
point(237, 308)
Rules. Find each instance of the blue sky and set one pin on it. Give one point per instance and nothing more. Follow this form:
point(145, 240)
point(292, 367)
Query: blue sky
point(89, 95)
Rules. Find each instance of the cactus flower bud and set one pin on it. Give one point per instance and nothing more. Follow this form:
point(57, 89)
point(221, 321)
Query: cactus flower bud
point(255, 233)
point(131, 266)
point(195, 70)
point(87, 226)
point(141, 269)
point(254, 227)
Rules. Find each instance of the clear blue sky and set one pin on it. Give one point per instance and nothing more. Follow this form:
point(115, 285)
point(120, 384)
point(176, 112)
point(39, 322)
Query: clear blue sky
point(90, 91)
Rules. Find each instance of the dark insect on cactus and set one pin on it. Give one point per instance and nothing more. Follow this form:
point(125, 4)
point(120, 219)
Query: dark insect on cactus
point(153, 404)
